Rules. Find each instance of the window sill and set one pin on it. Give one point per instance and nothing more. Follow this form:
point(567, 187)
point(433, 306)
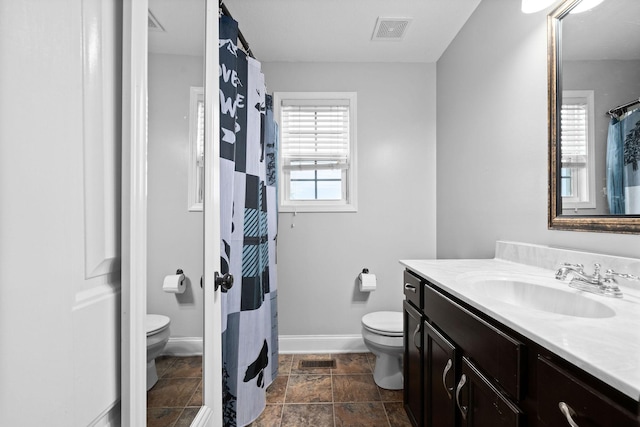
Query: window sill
point(318, 208)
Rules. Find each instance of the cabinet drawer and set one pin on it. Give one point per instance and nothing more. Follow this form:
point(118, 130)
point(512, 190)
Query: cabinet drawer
point(588, 408)
point(500, 356)
point(412, 289)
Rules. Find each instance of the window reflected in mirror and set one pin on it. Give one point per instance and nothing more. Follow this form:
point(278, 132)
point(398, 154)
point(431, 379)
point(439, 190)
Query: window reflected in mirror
point(196, 143)
point(577, 169)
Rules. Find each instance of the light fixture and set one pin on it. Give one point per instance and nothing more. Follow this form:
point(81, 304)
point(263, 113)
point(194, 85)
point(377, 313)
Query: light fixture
point(585, 5)
point(532, 6)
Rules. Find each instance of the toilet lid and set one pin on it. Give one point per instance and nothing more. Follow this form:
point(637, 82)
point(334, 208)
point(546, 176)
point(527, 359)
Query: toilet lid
point(155, 322)
point(384, 322)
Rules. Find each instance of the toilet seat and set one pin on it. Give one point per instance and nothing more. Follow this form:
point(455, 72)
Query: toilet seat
point(387, 323)
point(155, 323)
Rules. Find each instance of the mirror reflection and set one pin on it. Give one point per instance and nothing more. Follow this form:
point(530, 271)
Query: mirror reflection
point(175, 217)
point(599, 109)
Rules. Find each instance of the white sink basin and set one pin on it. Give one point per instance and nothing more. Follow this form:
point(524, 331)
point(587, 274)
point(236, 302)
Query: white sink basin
point(544, 298)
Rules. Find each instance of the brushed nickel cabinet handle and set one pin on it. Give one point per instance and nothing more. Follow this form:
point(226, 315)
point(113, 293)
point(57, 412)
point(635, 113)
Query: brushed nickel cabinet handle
point(568, 413)
point(444, 378)
point(410, 287)
point(414, 335)
point(463, 409)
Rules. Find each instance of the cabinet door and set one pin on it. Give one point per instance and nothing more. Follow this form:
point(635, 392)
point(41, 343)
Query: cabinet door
point(440, 375)
point(480, 404)
point(412, 366)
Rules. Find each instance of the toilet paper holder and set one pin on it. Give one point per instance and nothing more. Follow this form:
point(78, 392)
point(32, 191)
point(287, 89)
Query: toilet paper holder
point(179, 271)
point(175, 284)
point(367, 281)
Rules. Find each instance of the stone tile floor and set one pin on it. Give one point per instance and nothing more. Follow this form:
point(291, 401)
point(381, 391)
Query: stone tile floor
point(345, 395)
point(176, 398)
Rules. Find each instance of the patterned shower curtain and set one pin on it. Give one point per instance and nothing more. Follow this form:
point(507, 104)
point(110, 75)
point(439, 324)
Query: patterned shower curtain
point(623, 164)
point(248, 143)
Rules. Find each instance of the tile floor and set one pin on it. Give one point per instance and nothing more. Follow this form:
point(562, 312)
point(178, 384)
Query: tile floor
point(177, 396)
point(334, 397)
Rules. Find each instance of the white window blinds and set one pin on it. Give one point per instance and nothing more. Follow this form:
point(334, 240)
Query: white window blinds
point(200, 134)
point(573, 132)
point(315, 134)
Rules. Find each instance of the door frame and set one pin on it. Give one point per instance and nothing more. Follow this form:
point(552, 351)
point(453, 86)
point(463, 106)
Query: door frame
point(212, 328)
point(134, 214)
point(134, 222)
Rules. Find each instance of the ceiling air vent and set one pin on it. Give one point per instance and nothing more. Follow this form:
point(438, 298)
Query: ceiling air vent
point(390, 29)
point(154, 24)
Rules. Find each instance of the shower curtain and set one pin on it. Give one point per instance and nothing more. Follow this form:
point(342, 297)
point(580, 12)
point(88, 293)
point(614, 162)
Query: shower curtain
point(623, 169)
point(248, 231)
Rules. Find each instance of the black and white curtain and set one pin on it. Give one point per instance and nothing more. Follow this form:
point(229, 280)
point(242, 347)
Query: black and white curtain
point(248, 144)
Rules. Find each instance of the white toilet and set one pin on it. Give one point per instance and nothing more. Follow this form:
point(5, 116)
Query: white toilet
point(382, 334)
point(157, 337)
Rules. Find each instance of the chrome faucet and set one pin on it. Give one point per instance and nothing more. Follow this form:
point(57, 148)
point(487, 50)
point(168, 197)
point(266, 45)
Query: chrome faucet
point(578, 274)
point(596, 283)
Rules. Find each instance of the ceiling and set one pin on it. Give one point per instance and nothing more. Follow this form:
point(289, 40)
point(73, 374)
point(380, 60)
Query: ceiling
point(341, 30)
point(609, 31)
point(318, 30)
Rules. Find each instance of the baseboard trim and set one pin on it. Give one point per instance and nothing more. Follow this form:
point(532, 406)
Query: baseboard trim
point(110, 417)
point(293, 344)
point(183, 346)
point(202, 417)
point(288, 344)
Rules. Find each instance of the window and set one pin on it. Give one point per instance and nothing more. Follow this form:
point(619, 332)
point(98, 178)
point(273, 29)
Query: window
point(317, 151)
point(196, 145)
point(577, 173)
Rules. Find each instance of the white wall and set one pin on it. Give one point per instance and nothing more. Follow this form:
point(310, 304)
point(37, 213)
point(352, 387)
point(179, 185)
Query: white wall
point(175, 238)
point(492, 139)
point(319, 259)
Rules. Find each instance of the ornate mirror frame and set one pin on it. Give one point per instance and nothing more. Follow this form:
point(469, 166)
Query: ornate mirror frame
point(556, 220)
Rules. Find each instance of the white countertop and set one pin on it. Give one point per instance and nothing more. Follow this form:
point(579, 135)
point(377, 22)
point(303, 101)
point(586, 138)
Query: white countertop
point(606, 347)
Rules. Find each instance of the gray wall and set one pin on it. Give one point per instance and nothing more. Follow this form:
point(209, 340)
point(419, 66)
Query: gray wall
point(175, 237)
point(319, 259)
point(492, 139)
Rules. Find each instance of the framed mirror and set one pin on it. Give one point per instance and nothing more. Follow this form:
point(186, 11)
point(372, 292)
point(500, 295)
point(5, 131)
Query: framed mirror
point(594, 116)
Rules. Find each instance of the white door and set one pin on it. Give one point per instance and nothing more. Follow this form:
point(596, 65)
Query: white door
point(59, 213)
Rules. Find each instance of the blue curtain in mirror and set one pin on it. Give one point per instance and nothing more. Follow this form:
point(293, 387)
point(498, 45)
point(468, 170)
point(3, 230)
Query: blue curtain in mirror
point(623, 164)
point(248, 231)
point(631, 152)
point(615, 168)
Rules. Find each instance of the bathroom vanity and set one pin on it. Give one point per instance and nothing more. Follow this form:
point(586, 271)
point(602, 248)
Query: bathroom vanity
point(501, 342)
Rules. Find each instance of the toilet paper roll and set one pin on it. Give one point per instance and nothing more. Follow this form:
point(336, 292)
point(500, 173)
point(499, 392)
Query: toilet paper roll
point(174, 284)
point(367, 282)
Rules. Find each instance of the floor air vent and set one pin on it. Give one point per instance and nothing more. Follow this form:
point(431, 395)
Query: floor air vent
point(317, 364)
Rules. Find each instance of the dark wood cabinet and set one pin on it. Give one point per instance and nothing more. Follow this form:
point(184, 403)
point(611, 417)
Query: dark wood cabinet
point(440, 368)
point(480, 403)
point(412, 364)
point(499, 354)
point(465, 369)
point(564, 398)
